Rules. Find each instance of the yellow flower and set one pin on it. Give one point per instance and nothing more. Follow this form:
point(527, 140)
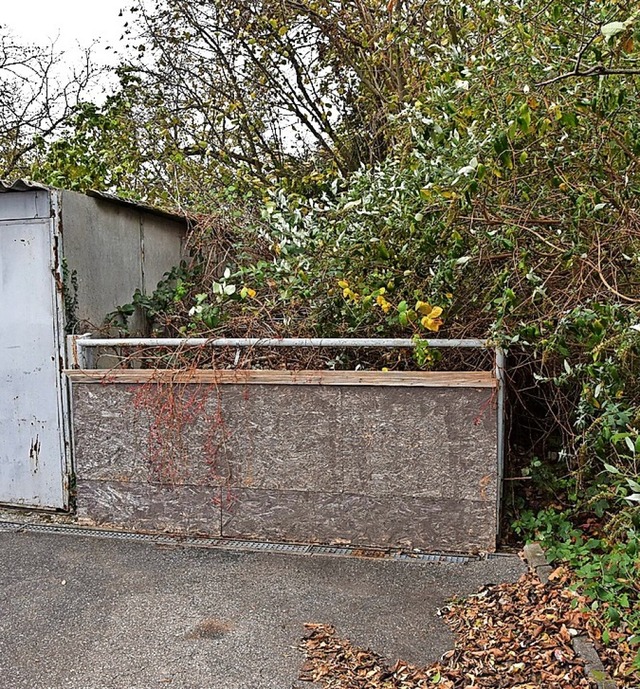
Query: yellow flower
point(430, 316)
point(383, 303)
point(251, 293)
point(432, 324)
point(348, 293)
point(343, 283)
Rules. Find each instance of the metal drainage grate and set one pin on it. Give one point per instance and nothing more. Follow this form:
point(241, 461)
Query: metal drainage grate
point(260, 546)
point(65, 530)
point(201, 541)
point(328, 550)
point(96, 533)
point(237, 544)
point(9, 526)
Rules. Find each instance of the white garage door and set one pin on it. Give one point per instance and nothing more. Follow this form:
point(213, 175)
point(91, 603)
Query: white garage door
point(32, 443)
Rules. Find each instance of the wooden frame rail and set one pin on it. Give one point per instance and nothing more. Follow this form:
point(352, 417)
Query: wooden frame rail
point(426, 379)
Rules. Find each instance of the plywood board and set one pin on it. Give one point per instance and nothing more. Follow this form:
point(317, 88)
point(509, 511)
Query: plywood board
point(376, 465)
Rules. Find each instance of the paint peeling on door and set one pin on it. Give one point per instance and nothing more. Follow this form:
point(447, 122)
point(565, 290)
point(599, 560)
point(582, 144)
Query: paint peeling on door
point(34, 454)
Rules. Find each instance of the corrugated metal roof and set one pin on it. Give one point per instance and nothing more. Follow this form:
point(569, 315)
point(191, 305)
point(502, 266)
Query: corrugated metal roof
point(21, 185)
point(105, 196)
point(28, 185)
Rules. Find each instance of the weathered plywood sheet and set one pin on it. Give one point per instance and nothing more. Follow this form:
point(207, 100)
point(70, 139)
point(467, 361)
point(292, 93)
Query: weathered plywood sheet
point(433, 524)
point(436, 443)
point(382, 466)
point(290, 439)
point(150, 507)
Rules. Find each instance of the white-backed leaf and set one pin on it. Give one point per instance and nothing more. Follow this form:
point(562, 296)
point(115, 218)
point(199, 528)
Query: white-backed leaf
point(612, 29)
point(634, 485)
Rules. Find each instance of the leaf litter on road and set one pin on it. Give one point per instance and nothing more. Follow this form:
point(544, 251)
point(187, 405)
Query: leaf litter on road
point(511, 636)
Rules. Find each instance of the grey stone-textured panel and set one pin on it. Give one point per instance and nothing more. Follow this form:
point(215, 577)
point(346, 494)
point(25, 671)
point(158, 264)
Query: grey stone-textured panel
point(374, 466)
point(277, 437)
point(163, 433)
point(290, 438)
point(220, 433)
point(428, 523)
point(282, 515)
point(432, 524)
point(433, 442)
point(109, 440)
point(150, 507)
point(473, 466)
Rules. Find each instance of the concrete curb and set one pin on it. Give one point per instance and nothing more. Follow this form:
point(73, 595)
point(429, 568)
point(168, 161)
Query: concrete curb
point(582, 645)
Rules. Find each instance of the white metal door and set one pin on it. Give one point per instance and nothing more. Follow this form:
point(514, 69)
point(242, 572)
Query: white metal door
point(32, 438)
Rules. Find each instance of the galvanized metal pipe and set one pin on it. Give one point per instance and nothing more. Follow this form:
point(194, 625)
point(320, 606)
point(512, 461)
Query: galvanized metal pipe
point(501, 361)
point(359, 342)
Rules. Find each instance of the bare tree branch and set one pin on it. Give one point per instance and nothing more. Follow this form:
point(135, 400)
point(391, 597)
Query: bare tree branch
point(36, 99)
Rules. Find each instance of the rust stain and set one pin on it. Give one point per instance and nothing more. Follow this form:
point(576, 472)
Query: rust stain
point(34, 453)
point(369, 552)
point(54, 270)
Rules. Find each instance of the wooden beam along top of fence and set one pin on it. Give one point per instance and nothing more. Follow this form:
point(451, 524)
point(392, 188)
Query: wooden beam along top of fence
point(433, 379)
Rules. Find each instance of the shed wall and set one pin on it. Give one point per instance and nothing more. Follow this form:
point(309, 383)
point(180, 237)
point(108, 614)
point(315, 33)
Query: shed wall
point(391, 466)
point(115, 249)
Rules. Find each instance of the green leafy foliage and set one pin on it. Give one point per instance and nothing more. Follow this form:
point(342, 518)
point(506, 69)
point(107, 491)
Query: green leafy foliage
point(606, 568)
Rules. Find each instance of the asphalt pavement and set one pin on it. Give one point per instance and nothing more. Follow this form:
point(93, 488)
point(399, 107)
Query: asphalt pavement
point(78, 612)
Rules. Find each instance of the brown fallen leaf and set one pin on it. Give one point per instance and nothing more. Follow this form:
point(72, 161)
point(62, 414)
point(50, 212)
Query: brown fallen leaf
point(511, 636)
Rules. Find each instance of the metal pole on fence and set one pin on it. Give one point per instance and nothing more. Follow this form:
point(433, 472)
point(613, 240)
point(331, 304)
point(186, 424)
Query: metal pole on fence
point(501, 361)
point(77, 355)
point(357, 342)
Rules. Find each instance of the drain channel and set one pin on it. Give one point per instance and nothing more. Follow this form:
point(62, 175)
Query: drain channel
point(238, 544)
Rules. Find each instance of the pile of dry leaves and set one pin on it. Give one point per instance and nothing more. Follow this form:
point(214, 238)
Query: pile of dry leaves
point(513, 635)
